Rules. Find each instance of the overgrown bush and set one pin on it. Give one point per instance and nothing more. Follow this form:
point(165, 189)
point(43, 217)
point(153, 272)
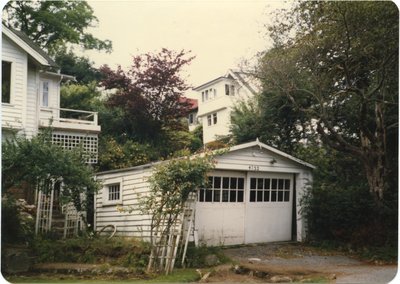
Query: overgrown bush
point(16, 226)
point(339, 206)
point(115, 251)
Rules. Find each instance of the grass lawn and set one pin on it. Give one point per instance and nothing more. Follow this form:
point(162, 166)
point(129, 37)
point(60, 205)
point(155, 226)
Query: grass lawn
point(178, 276)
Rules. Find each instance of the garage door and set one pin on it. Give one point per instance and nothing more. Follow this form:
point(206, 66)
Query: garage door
point(268, 210)
point(220, 209)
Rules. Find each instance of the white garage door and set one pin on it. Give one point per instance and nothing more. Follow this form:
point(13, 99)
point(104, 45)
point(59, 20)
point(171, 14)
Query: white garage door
point(220, 210)
point(268, 212)
point(237, 208)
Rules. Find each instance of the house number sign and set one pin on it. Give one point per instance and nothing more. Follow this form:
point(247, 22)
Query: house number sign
point(254, 168)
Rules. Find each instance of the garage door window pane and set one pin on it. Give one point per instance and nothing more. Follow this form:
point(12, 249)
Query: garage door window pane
point(225, 195)
point(280, 195)
point(287, 194)
point(266, 196)
point(273, 195)
point(240, 183)
point(225, 182)
point(217, 195)
point(252, 196)
point(233, 183)
point(240, 196)
point(217, 182)
point(201, 195)
point(209, 195)
point(232, 196)
point(259, 196)
point(267, 183)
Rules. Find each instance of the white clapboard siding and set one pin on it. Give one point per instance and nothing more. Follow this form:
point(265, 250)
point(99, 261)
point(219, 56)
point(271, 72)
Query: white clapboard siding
point(133, 185)
point(31, 126)
point(13, 113)
point(256, 159)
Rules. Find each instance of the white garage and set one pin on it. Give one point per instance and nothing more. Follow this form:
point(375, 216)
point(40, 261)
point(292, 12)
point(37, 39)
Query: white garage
point(253, 196)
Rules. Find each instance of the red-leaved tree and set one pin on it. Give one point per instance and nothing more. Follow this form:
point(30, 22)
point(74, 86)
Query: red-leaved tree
point(149, 93)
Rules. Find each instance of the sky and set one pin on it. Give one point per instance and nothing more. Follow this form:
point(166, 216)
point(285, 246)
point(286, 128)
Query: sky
point(220, 33)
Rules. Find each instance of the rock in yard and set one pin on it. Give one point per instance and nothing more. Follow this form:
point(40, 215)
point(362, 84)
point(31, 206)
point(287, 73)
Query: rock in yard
point(281, 279)
point(254, 259)
point(240, 269)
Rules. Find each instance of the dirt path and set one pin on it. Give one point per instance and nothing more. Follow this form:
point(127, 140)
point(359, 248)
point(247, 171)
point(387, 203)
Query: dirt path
point(288, 259)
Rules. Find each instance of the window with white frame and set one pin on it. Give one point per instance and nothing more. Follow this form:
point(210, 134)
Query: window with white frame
point(112, 192)
point(212, 119)
point(229, 90)
point(44, 93)
point(223, 189)
point(6, 82)
point(269, 190)
point(191, 118)
point(208, 94)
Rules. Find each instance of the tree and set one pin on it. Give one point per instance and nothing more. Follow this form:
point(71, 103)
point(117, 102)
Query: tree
point(38, 162)
point(337, 63)
point(53, 25)
point(170, 187)
point(79, 67)
point(149, 93)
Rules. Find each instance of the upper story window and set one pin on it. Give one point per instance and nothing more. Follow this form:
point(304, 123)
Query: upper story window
point(6, 82)
point(44, 93)
point(208, 94)
point(229, 90)
point(212, 119)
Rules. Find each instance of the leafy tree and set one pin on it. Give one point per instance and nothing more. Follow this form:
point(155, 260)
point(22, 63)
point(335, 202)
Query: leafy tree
point(38, 162)
point(80, 67)
point(337, 64)
point(148, 94)
point(54, 25)
point(82, 97)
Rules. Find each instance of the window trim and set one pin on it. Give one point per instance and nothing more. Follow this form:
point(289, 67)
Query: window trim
point(42, 92)
point(11, 82)
point(105, 192)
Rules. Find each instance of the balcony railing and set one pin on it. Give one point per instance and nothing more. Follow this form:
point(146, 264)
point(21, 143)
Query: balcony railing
point(70, 119)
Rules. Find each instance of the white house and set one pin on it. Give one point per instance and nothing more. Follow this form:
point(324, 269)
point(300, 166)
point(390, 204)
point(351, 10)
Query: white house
point(217, 98)
point(30, 100)
point(254, 197)
point(30, 97)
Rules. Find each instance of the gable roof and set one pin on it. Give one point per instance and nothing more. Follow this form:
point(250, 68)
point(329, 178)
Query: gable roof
point(30, 47)
point(273, 150)
point(231, 149)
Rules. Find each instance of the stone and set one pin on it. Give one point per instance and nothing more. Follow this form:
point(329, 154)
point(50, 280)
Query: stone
point(281, 279)
point(16, 261)
point(254, 259)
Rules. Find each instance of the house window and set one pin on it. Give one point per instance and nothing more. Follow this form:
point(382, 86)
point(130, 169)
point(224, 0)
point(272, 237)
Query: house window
point(202, 97)
point(45, 93)
point(212, 119)
point(5, 82)
point(229, 90)
point(223, 189)
point(191, 118)
point(269, 190)
point(114, 192)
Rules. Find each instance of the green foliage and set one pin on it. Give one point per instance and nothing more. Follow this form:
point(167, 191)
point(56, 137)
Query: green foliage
point(38, 162)
point(115, 251)
point(16, 227)
point(335, 64)
point(114, 155)
point(79, 67)
point(196, 256)
point(53, 25)
point(80, 97)
point(339, 207)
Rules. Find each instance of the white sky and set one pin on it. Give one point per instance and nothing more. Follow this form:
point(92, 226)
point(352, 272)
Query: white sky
point(219, 33)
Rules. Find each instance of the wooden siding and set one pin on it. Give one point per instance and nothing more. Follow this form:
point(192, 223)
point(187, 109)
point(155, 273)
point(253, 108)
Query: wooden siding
point(134, 184)
point(13, 113)
point(256, 159)
point(31, 127)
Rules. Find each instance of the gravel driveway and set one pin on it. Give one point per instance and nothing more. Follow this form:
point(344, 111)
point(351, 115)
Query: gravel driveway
point(289, 258)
